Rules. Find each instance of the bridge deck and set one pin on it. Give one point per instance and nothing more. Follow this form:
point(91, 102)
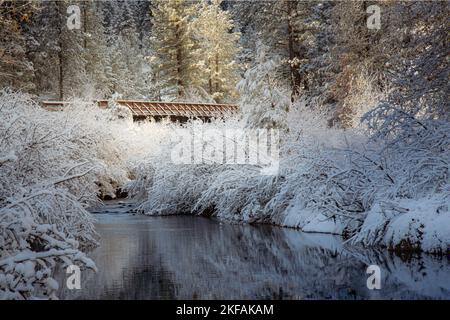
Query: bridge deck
point(162, 109)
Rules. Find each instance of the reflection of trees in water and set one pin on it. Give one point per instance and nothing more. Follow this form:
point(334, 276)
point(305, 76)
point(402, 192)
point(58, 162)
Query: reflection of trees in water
point(266, 262)
point(420, 276)
point(194, 257)
point(145, 277)
point(256, 262)
point(128, 267)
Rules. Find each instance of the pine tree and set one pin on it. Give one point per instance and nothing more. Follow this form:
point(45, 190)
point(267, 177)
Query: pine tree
point(96, 48)
point(173, 62)
point(16, 69)
point(279, 25)
point(218, 50)
point(72, 60)
point(135, 63)
point(120, 27)
point(128, 71)
point(43, 46)
point(119, 78)
point(59, 54)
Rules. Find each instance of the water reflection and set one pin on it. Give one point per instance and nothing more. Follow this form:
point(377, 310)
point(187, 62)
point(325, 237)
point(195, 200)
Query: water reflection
point(197, 258)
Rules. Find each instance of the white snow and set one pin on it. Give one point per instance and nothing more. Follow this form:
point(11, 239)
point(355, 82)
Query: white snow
point(421, 222)
point(329, 181)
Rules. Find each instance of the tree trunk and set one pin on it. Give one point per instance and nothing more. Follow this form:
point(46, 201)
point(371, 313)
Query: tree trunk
point(60, 53)
point(217, 72)
point(295, 75)
point(84, 20)
point(210, 85)
point(60, 78)
point(179, 63)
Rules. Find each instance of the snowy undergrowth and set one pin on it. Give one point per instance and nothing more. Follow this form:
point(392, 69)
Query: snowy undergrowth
point(52, 165)
point(330, 180)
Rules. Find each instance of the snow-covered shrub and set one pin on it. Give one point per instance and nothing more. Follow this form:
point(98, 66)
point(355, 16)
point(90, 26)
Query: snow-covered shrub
point(329, 180)
point(98, 134)
point(39, 229)
point(403, 162)
point(239, 194)
point(236, 192)
point(52, 166)
point(174, 188)
point(147, 146)
point(409, 170)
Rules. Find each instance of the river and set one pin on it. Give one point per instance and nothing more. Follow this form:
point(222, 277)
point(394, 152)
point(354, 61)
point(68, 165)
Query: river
point(189, 257)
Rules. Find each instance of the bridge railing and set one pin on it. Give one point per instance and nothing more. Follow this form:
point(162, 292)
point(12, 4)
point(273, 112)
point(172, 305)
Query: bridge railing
point(140, 108)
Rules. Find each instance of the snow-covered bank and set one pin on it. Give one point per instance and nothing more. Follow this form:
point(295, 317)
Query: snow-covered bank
point(391, 192)
point(408, 224)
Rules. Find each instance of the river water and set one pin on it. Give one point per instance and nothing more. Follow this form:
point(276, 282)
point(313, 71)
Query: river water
point(186, 257)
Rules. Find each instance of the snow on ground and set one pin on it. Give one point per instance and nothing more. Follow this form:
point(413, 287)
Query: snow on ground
point(310, 221)
point(408, 224)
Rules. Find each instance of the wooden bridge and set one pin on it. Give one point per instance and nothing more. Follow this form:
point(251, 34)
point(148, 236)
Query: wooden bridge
point(175, 111)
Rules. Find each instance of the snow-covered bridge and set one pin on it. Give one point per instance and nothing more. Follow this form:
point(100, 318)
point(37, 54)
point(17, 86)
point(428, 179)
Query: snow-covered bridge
point(175, 111)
